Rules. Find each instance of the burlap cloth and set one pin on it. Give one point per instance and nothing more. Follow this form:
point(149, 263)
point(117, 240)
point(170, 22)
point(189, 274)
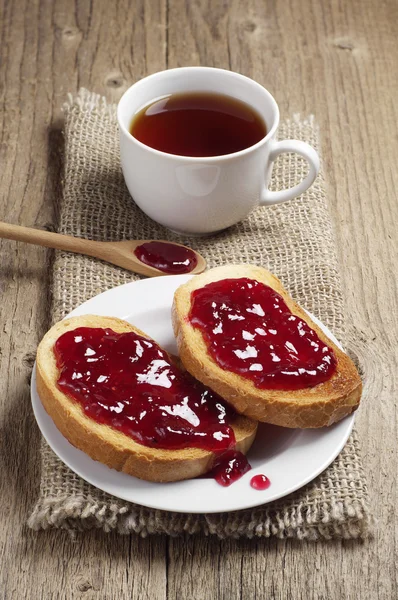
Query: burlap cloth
point(294, 240)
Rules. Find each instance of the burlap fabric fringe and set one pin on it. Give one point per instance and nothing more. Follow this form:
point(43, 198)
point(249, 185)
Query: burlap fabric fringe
point(294, 240)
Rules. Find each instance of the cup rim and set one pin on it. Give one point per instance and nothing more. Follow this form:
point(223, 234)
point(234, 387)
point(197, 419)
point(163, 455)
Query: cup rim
point(197, 159)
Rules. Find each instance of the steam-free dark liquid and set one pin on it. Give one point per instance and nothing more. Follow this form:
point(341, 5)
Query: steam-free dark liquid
point(198, 124)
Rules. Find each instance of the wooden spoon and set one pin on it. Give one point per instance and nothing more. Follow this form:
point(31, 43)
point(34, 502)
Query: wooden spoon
point(117, 253)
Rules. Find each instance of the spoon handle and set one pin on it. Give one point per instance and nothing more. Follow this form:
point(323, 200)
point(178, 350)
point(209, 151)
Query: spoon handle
point(48, 239)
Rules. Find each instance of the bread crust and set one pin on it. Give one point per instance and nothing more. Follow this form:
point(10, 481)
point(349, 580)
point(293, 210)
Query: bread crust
point(319, 406)
point(107, 445)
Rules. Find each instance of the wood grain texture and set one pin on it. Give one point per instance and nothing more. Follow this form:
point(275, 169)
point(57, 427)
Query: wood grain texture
point(335, 59)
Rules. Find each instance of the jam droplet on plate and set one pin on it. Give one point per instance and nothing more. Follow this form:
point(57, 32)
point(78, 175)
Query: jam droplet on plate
point(168, 258)
point(249, 330)
point(260, 482)
point(229, 467)
point(129, 383)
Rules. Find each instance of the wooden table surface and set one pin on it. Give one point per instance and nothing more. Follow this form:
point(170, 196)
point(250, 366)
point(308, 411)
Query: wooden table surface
point(334, 58)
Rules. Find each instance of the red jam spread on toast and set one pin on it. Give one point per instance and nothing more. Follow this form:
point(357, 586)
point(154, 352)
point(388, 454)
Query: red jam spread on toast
point(229, 467)
point(249, 330)
point(260, 482)
point(129, 383)
point(168, 258)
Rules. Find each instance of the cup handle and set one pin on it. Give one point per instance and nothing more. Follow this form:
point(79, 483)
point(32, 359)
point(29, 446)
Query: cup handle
point(304, 150)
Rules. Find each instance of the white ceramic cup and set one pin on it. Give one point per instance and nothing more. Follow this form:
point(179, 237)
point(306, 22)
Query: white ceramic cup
point(204, 195)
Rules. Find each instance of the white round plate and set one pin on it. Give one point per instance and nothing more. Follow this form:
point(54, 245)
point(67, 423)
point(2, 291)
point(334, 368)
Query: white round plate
point(290, 458)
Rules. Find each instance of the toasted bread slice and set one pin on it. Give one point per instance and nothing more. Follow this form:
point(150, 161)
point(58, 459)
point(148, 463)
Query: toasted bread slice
point(108, 445)
point(316, 406)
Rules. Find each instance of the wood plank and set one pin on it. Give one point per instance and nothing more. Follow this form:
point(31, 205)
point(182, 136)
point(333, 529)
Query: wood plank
point(328, 59)
point(49, 49)
point(334, 59)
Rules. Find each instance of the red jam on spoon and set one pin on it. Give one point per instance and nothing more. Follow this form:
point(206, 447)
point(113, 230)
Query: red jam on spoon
point(168, 258)
point(249, 330)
